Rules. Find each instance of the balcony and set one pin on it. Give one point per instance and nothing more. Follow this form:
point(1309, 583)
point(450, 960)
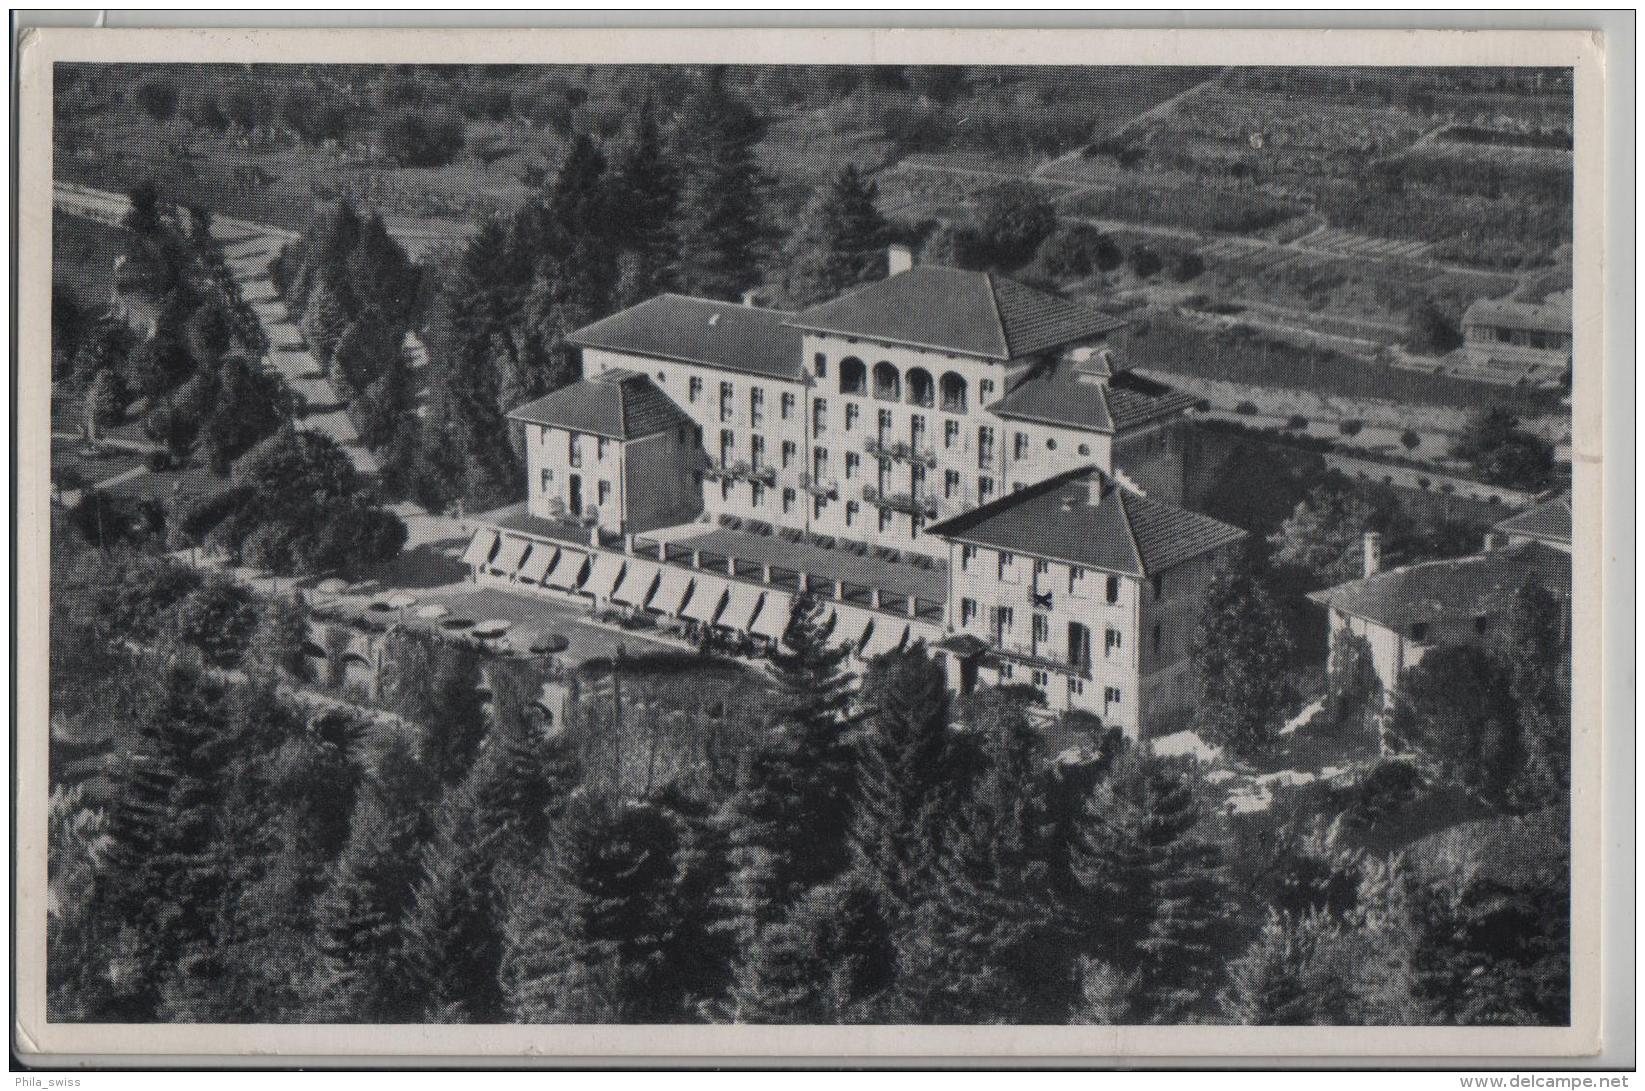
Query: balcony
point(901, 452)
point(830, 490)
point(907, 503)
point(746, 471)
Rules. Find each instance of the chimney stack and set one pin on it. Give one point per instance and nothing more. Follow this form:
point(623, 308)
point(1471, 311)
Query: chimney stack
point(1373, 552)
point(898, 259)
point(751, 298)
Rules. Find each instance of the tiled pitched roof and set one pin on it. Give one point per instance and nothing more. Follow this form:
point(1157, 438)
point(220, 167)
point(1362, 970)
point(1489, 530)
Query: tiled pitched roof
point(617, 404)
point(1549, 521)
point(1467, 587)
point(702, 331)
point(1056, 396)
point(1508, 313)
point(1123, 532)
point(956, 310)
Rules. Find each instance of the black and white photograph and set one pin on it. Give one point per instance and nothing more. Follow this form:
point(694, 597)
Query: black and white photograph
point(812, 544)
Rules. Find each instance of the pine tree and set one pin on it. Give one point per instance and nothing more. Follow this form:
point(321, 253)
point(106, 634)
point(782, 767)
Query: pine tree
point(840, 241)
point(586, 939)
point(903, 775)
point(578, 204)
point(646, 188)
point(1273, 984)
point(528, 774)
point(789, 819)
point(1156, 890)
point(453, 942)
point(721, 219)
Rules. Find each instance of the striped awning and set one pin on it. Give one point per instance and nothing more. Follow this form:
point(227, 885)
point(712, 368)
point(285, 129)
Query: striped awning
point(704, 604)
point(569, 572)
point(634, 588)
point(602, 579)
point(889, 635)
point(480, 547)
point(739, 610)
point(671, 590)
point(776, 611)
point(538, 562)
point(510, 554)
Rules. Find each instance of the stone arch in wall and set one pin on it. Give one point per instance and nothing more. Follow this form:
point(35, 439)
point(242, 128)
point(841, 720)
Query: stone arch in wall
point(953, 392)
point(922, 390)
point(887, 381)
point(853, 376)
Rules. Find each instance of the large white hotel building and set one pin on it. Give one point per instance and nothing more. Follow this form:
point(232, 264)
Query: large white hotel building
point(943, 455)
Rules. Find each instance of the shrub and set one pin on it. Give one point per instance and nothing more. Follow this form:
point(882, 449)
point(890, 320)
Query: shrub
point(1297, 423)
point(1012, 220)
point(1188, 265)
point(1351, 426)
point(1078, 250)
point(1424, 483)
point(415, 139)
point(1144, 262)
point(1247, 408)
point(158, 97)
point(1431, 331)
point(1410, 440)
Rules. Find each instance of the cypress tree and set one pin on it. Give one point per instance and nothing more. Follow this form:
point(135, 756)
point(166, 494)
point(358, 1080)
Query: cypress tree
point(1240, 654)
point(646, 189)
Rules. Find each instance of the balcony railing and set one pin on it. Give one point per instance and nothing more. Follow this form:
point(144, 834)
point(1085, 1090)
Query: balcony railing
point(830, 489)
point(907, 503)
point(901, 452)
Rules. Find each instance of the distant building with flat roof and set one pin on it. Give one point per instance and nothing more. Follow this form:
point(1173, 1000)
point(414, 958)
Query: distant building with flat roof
point(1509, 341)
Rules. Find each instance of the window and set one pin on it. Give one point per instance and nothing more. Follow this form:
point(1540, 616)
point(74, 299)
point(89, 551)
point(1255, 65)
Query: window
point(985, 489)
point(728, 446)
point(788, 500)
point(916, 431)
point(821, 363)
point(1158, 583)
point(1075, 686)
point(985, 390)
point(756, 493)
point(1042, 629)
point(819, 463)
point(694, 388)
point(787, 406)
point(789, 452)
point(756, 406)
point(1079, 646)
point(1111, 642)
point(1085, 449)
point(1006, 561)
point(1159, 637)
point(817, 506)
point(967, 554)
point(547, 481)
point(1076, 578)
point(1113, 589)
point(575, 450)
point(1050, 445)
point(950, 484)
point(851, 415)
point(604, 493)
point(600, 448)
point(885, 425)
point(1005, 672)
point(1419, 630)
point(953, 393)
point(819, 417)
point(1110, 696)
point(1006, 617)
point(851, 510)
point(725, 488)
point(884, 478)
point(885, 520)
point(757, 451)
point(916, 523)
point(852, 462)
point(968, 611)
point(917, 477)
point(1041, 568)
point(1021, 451)
point(728, 396)
point(950, 432)
point(1040, 678)
point(985, 447)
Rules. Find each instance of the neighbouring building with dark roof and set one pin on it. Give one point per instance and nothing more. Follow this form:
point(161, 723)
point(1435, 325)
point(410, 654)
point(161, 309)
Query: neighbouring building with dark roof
point(929, 413)
point(1403, 612)
point(1509, 341)
point(1548, 522)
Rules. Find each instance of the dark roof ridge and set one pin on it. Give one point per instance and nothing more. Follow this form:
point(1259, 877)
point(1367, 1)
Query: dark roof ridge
point(967, 519)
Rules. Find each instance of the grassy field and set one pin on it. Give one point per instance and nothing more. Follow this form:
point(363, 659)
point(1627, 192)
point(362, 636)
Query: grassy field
point(1169, 344)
